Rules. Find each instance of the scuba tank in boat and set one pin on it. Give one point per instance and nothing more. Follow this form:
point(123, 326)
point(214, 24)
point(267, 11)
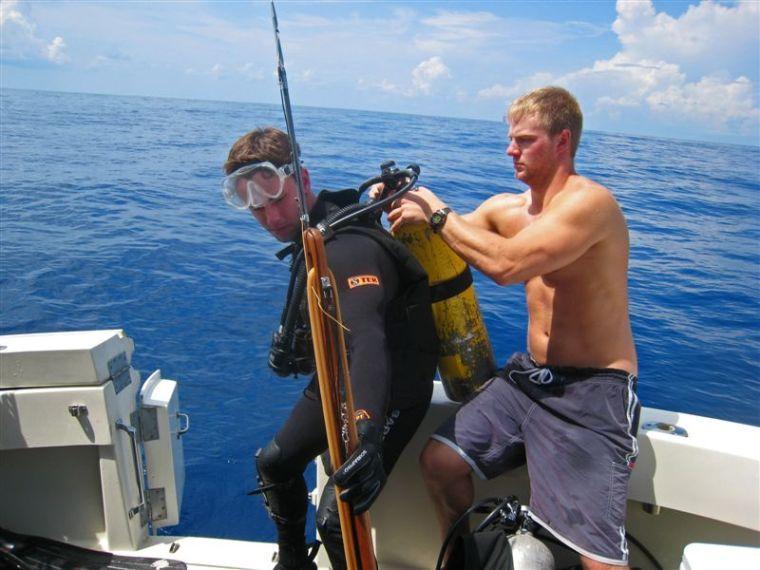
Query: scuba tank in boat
point(503, 540)
point(466, 359)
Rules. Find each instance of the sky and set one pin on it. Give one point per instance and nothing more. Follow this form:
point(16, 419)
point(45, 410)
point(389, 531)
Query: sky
point(676, 69)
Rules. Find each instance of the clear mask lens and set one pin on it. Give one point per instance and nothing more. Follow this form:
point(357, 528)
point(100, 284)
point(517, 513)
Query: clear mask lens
point(255, 185)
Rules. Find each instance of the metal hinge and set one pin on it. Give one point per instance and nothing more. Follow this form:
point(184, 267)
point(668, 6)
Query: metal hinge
point(149, 423)
point(119, 371)
point(157, 503)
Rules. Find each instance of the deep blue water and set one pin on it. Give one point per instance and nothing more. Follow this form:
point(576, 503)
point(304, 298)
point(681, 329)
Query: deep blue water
point(111, 217)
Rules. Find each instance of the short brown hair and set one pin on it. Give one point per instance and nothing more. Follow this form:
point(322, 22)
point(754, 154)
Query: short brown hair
point(260, 145)
point(554, 108)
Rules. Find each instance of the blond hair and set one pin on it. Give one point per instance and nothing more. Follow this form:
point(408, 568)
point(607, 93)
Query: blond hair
point(554, 108)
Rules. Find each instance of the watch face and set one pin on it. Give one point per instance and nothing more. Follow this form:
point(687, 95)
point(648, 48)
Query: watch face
point(438, 218)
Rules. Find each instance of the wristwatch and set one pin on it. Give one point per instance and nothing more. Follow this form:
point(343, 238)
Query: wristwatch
point(438, 218)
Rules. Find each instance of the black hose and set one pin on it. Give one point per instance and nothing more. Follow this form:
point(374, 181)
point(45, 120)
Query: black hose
point(496, 512)
point(411, 174)
point(493, 502)
point(291, 284)
point(645, 551)
point(340, 217)
point(293, 306)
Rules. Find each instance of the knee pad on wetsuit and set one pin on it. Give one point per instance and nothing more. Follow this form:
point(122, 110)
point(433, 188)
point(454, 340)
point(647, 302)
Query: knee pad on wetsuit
point(270, 464)
point(286, 502)
point(328, 525)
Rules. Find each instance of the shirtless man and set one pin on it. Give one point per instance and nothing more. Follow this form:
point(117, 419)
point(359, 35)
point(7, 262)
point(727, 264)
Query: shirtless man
point(568, 404)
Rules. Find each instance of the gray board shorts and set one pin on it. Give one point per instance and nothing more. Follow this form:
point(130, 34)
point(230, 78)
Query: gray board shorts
point(576, 427)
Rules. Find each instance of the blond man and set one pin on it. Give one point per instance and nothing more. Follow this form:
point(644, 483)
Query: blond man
point(567, 406)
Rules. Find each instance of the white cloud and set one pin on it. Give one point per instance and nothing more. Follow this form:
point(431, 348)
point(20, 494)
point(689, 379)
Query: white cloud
point(389, 87)
point(55, 51)
point(246, 71)
point(251, 72)
point(621, 80)
point(427, 72)
point(661, 71)
point(109, 59)
point(9, 14)
point(664, 91)
point(721, 104)
point(450, 32)
point(308, 21)
point(19, 38)
point(424, 78)
point(385, 86)
point(306, 75)
point(460, 21)
point(707, 38)
point(499, 91)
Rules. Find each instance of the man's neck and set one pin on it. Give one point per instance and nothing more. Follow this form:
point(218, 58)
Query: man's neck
point(543, 192)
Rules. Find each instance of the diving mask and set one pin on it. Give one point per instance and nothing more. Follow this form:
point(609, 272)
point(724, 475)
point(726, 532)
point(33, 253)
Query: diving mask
point(256, 184)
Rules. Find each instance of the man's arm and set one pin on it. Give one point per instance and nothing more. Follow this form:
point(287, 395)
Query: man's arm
point(366, 280)
point(494, 214)
point(556, 239)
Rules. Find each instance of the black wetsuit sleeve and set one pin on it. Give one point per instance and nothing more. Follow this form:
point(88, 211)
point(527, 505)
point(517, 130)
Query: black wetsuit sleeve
point(367, 280)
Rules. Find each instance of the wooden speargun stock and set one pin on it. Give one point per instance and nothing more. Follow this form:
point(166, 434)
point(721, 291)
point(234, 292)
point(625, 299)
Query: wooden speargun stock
point(335, 391)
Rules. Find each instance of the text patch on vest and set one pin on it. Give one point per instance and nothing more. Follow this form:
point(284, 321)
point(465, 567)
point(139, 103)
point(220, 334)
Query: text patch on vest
point(361, 280)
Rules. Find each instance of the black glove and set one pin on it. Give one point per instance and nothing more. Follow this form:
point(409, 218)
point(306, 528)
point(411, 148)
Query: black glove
point(362, 476)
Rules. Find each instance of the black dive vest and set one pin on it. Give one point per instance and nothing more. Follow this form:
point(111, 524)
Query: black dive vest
point(410, 328)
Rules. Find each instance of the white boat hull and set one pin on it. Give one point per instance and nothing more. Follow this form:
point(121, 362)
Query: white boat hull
point(69, 400)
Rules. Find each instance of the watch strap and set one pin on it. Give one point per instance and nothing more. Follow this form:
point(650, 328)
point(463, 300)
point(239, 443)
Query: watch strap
point(438, 219)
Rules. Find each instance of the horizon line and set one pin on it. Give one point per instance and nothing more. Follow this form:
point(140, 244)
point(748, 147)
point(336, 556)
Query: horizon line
point(756, 145)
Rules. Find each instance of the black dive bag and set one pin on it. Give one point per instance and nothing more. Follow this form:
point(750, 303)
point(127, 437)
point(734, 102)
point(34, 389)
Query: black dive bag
point(487, 547)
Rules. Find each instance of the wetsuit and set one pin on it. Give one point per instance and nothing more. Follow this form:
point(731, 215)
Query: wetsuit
point(369, 288)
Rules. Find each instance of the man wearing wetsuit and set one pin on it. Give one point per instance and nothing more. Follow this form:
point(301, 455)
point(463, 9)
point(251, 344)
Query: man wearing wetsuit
point(384, 299)
point(569, 405)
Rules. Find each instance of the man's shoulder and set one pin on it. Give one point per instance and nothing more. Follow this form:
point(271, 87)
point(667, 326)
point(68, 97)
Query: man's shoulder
point(358, 241)
point(354, 234)
point(589, 205)
point(585, 194)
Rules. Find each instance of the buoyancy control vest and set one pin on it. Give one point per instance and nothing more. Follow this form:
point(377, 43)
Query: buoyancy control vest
point(410, 328)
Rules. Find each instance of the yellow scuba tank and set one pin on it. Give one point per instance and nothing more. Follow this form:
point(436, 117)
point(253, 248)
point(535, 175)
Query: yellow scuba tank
point(466, 359)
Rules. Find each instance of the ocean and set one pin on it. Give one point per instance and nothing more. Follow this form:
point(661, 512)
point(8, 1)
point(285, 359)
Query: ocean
point(111, 216)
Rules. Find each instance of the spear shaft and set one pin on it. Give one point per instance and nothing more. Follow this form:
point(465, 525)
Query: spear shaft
point(282, 78)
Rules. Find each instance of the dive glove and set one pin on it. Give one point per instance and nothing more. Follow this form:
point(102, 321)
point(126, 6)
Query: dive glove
point(362, 476)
